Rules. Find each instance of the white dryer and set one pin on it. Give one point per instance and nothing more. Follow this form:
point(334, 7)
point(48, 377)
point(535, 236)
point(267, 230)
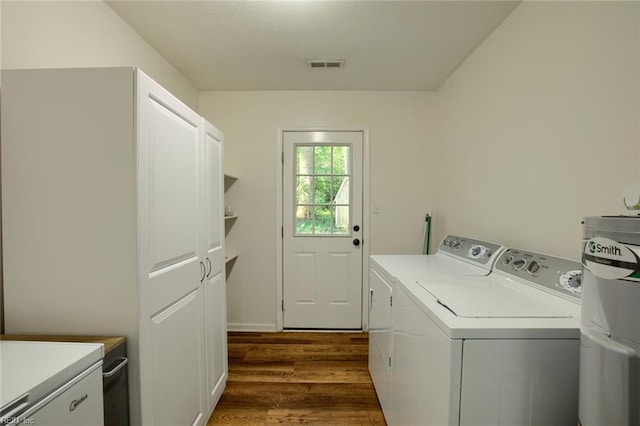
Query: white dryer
point(496, 350)
point(456, 256)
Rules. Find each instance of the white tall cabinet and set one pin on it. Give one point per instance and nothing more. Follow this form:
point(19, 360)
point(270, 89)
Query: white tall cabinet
point(112, 225)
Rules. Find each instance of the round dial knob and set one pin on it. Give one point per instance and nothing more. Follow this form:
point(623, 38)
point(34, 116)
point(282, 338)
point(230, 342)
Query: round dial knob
point(457, 245)
point(575, 279)
point(477, 251)
point(533, 267)
point(571, 281)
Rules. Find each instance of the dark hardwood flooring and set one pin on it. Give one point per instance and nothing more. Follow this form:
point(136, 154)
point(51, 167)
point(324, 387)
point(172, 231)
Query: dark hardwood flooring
point(298, 378)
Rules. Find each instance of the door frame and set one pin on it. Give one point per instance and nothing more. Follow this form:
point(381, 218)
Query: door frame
point(366, 216)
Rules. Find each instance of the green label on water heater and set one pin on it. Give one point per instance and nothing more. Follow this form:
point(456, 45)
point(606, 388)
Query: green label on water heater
point(611, 260)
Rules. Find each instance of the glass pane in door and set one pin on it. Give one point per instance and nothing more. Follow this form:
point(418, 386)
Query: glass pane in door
point(323, 188)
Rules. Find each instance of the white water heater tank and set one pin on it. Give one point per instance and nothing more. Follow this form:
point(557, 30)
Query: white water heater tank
point(610, 322)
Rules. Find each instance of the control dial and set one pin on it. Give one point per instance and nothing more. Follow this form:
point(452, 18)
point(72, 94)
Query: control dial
point(571, 281)
point(533, 267)
point(519, 264)
point(477, 251)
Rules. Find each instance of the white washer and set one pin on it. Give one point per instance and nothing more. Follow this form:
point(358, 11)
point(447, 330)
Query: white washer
point(496, 350)
point(456, 255)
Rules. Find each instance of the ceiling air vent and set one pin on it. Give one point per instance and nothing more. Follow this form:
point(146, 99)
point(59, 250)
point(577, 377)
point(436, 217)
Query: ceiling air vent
point(326, 63)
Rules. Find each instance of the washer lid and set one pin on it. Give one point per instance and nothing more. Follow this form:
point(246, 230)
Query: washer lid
point(490, 299)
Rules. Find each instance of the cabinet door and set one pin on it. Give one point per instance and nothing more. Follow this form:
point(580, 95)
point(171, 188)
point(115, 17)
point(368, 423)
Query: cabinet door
point(172, 366)
point(213, 199)
point(170, 268)
point(214, 288)
point(380, 333)
point(216, 338)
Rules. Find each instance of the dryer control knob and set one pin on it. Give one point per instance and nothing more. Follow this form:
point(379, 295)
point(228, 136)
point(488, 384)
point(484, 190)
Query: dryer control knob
point(477, 251)
point(533, 267)
point(571, 281)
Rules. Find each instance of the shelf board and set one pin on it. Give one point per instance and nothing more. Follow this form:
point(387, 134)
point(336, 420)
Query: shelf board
point(230, 254)
point(229, 221)
point(228, 181)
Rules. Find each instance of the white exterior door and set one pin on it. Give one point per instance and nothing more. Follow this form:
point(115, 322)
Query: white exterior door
point(322, 235)
point(171, 266)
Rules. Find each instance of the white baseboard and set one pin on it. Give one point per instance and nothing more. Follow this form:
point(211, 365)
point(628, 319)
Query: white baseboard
point(251, 327)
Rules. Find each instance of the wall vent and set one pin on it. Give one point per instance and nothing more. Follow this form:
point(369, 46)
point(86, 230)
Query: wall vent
point(326, 63)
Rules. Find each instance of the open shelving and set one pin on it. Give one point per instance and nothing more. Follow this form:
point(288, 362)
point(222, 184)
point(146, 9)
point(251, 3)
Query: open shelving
point(230, 255)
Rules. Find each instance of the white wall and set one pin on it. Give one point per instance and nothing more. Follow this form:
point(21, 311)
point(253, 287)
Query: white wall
point(551, 97)
point(49, 34)
point(401, 176)
point(540, 126)
point(52, 34)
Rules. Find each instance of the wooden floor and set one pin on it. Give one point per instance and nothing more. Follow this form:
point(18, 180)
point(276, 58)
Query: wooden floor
point(301, 378)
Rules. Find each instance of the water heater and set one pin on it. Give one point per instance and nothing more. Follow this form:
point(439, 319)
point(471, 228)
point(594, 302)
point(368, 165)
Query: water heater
point(610, 322)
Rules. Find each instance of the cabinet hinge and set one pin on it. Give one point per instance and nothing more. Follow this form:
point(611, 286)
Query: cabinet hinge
point(389, 361)
point(390, 300)
point(282, 305)
point(282, 232)
point(282, 157)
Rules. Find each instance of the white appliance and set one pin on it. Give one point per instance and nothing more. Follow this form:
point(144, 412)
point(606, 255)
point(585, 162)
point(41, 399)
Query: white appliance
point(51, 383)
point(456, 255)
point(610, 330)
point(495, 350)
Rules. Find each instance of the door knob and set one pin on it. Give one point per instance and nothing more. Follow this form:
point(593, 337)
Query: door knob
point(356, 242)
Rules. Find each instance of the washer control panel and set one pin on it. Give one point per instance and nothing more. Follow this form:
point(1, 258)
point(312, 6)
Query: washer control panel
point(475, 251)
point(555, 274)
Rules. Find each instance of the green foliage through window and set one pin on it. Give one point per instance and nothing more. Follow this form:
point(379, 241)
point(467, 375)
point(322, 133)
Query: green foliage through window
point(322, 189)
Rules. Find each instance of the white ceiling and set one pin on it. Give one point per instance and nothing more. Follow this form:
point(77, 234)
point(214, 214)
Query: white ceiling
point(265, 45)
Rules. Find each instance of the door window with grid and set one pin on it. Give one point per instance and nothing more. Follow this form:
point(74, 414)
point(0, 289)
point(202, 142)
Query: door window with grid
point(323, 190)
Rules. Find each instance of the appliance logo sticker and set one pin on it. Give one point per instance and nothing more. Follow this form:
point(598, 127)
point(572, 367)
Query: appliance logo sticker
point(610, 259)
point(74, 404)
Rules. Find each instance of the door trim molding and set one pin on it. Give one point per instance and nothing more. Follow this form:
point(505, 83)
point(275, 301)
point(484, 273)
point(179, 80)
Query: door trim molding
point(366, 215)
